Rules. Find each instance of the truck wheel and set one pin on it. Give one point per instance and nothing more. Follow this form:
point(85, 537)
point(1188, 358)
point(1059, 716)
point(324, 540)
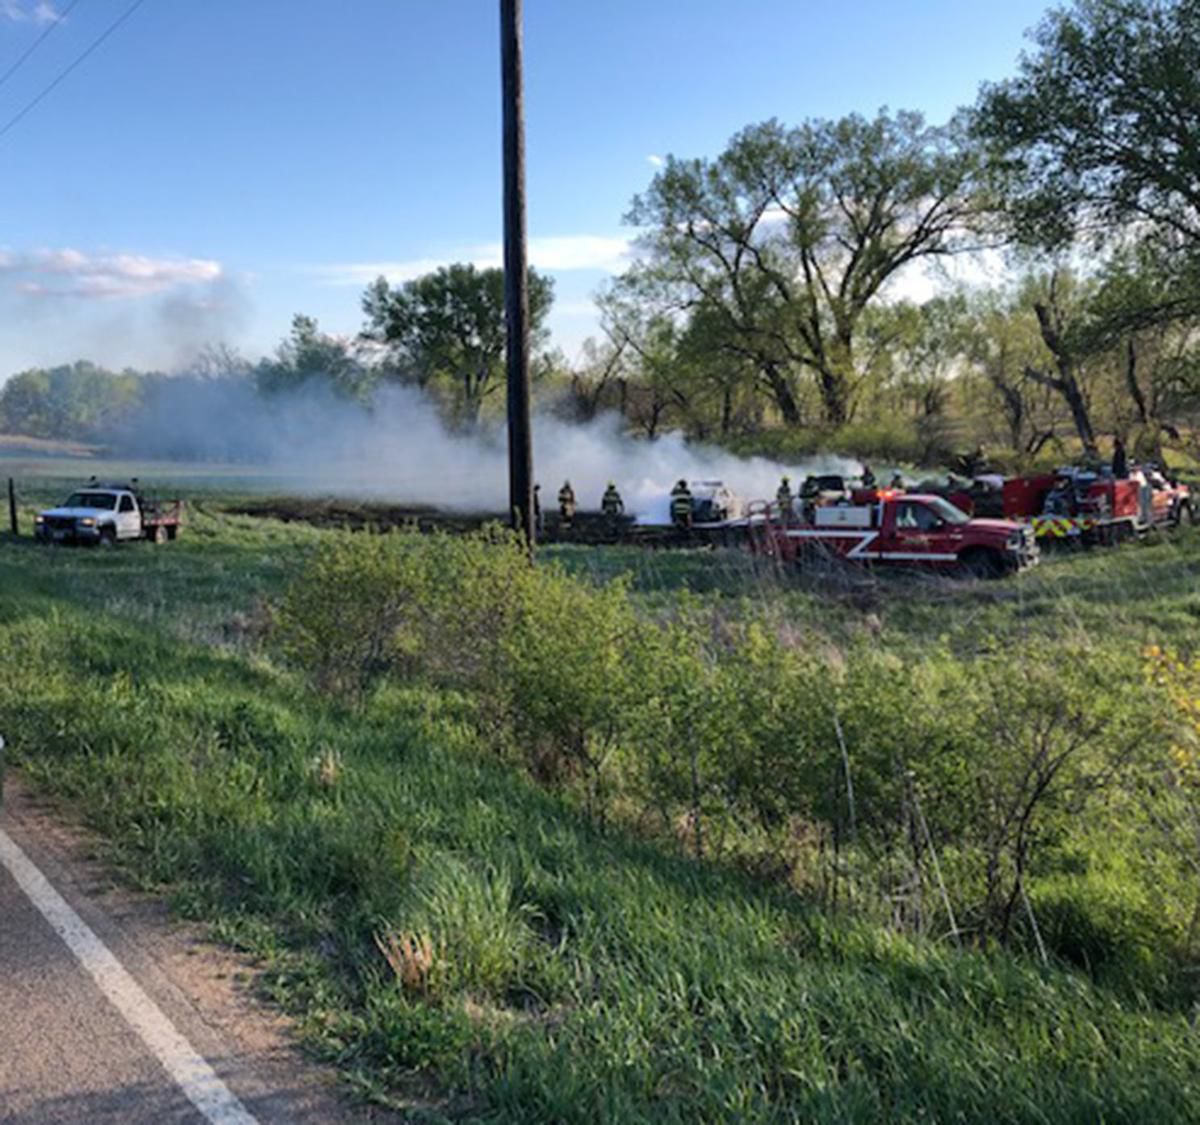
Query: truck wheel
point(172, 533)
point(108, 537)
point(979, 562)
point(1185, 516)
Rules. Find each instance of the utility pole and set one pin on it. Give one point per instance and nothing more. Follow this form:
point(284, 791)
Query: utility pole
point(516, 279)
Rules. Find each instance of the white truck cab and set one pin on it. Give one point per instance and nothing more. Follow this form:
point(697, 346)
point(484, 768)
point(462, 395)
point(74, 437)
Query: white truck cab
point(92, 515)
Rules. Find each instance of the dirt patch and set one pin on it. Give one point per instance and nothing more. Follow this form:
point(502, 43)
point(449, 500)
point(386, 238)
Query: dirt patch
point(356, 515)
point(588, 528)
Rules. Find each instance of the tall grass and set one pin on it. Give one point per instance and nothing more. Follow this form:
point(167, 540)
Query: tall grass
point(579, 972)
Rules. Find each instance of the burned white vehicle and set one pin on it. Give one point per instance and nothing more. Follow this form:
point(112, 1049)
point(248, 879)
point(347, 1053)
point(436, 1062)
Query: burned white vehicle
point(714, 502)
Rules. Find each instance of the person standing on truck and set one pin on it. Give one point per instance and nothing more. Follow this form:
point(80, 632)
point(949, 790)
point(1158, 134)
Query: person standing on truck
point(681, 505)
point(868, 477)
point(784, 500)
point(897, 484)
point(1120, 460)
point(566, 504)
point(611, 503)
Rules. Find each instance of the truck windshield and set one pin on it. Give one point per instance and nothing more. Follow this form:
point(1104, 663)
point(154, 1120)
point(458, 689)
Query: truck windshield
point(946, 510)
point(105, 500)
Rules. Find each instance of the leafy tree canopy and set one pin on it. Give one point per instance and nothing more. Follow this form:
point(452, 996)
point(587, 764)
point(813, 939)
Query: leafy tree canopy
point(448, 328)
point(1101, 127)
point(790, 234)
point(310, 357)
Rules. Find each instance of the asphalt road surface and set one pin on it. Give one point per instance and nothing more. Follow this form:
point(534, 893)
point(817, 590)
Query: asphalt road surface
point(109, 1013)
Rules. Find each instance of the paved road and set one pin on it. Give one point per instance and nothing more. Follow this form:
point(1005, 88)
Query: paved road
point(123, 1020)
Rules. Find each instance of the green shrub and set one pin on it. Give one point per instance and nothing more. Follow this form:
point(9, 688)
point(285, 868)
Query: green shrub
point(351, 614)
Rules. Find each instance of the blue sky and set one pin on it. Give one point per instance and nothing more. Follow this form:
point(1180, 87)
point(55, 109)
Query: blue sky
point(217, 165)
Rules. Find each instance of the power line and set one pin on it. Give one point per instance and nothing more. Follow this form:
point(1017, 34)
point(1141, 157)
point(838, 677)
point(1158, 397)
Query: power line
point(19, 116)
point(37, 43)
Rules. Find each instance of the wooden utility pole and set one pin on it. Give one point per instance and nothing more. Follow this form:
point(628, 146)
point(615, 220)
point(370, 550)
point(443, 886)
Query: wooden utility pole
point(516, 280)
point(12, 507)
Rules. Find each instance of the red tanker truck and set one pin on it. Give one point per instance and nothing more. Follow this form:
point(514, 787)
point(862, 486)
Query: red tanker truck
point(1078, 505)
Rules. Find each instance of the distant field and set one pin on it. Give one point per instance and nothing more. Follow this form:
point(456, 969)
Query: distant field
point(23, 445)
point(48, 471)
point(44, 479)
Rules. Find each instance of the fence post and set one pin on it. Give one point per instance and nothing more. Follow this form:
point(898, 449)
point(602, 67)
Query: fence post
point(12, 507)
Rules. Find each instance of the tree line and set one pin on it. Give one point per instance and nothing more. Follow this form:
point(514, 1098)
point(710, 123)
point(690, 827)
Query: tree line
point(765, 308)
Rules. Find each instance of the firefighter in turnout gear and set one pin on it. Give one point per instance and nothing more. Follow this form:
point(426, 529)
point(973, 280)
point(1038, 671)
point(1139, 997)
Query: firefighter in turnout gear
point(566, 504)
point(784, 500)
point(868, 477)
point(810, 490)
point(681, 505)
point(611, 503)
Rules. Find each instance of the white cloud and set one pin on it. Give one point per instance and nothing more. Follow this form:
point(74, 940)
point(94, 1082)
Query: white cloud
point(565, 253)
point(22, 11)
point(72, 273)
point(927, 278)
point(655, 160)
point(580, 307)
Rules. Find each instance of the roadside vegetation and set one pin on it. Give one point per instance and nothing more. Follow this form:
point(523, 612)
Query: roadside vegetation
point(555, 844)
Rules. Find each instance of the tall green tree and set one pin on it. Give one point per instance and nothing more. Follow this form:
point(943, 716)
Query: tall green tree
point(448, 328)
point(310, 357)
point(1100, 129)
point(791, 233)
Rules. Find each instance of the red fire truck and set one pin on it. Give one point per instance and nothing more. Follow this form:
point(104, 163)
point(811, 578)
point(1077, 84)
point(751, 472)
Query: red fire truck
point(1082, 506)
point(893, 529)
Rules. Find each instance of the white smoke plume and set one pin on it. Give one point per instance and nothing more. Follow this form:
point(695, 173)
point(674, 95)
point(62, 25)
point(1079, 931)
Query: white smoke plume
point(313, 442)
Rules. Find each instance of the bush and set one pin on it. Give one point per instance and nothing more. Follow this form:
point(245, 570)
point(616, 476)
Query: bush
point(351, 614)
point(735, 733)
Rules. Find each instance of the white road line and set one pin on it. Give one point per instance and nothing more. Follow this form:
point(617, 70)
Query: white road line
point(191, 1073)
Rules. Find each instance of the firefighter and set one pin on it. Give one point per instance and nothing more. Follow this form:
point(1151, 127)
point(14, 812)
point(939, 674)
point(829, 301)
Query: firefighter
point(868, 477)
point(611, 503)
point(537, 508)
point(681, 505)
point(810, 491)
point(784, 498)
point(1060, 499)
point(897, 483)
point(1120, 461)
point(566, 504)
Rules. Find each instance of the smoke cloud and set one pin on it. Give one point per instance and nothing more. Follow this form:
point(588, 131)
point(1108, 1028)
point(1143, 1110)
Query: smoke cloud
point(311, 441)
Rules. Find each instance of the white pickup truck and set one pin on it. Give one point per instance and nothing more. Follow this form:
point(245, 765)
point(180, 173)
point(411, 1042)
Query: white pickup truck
point(106, 514)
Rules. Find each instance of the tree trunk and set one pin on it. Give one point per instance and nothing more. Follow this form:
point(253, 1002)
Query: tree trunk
point(789, 410)
point(834, 396)
point(1066, 384)
point(1131, 381)
point(1079, 413)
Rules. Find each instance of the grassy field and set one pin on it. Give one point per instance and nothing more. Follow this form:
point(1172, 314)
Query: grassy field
point(466, 943)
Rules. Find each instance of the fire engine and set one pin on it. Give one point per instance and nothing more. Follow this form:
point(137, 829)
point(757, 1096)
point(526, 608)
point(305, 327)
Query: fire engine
point(1083, 506)
point(893, 529)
